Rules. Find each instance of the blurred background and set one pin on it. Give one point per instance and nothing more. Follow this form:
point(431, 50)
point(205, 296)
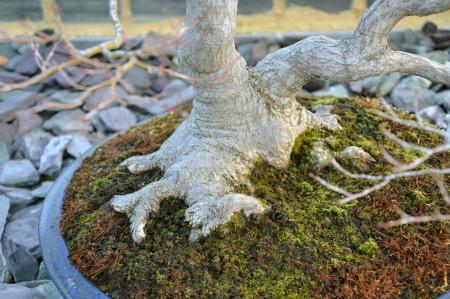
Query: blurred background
point(90, 17)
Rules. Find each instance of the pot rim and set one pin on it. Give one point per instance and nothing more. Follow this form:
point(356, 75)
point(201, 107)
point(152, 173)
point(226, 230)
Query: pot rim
point(66, 277)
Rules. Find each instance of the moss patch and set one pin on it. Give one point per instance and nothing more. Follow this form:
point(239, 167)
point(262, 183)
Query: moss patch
point(306, 246)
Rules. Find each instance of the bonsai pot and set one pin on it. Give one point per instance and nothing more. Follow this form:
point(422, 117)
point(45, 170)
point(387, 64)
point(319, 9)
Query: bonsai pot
point(304, 234)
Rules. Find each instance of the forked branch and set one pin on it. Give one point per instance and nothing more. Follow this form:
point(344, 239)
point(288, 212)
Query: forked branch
point(365, 53)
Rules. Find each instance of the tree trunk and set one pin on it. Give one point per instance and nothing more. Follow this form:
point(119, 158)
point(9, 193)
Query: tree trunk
point(241, 115)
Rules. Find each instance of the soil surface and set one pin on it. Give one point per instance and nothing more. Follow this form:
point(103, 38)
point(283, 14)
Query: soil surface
point(306, 246)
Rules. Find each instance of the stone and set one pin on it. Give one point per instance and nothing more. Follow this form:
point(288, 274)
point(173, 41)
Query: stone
point(51, 159)
point(44, 287)
point(11, 102)
point(329, 120)
point(371, 85)
point(414, 83)
point(178, 99)
point(32, 145)
point(103, 96)
point(4, 152)
point(68, 122)
point(22, 265)
point(78, 146)
point(117, 119)
point(42, 273)
point(64, 97)
point(155, 44)
point(438, 56)
point(434, 114)
point(143, 104)
point(174, 87)
point(411, 100)
point(7, 132)
point(18, 173)
point(27, 64)
point(71, 76)
point(320, 155)
point(357, 157)
point(443, 99)
point(412, 94)
point(139, 78)
point(160, 82)
point(42, 190)
point(22, 229)
point(10, 77)
point(11, 64)
point(91, 80)
point(27, 122)
point(389, 82)
point(338, 91)
point(18, 198)
point(19, 292)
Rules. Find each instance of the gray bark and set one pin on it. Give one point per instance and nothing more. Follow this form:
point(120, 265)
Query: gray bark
point(241, 115)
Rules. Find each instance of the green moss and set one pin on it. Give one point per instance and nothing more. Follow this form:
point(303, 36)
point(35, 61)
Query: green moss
point(305, 246)
point(369, 248)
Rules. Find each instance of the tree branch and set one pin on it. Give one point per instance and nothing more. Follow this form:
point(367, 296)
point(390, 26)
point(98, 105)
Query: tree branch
point(364, 54)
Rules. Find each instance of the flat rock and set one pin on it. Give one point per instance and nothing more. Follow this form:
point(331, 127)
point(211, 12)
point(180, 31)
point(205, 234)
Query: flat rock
point(51, 159)
point(78, 146)
point(172, 102)
point(42, 190)
point(338, 91)
point(14, 291)
point(32, 145)
point(139, 78)
point(413, 100)
point(18, 173)
point(18, 198)
point(68, 122)
point(443, 99)
point(45, 287)
point(64, 97)
point(4, 152)
point(117, 119)
point(22, 265)
point(10, 77)
point(103, 96)
point(72, 75)
point(27, 64)
point(7, 132)
point(27, 122)
point(22, 229)
point(144, 104)
point(412, 94)
point(11, 102)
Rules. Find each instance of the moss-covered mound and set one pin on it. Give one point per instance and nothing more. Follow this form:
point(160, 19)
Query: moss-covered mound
point(306, 246)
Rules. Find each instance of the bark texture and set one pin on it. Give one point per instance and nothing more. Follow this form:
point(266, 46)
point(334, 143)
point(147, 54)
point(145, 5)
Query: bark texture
point(241, 115)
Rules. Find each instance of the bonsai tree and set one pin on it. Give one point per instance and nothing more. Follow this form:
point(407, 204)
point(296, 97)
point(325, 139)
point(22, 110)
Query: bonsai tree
point(242, 114)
